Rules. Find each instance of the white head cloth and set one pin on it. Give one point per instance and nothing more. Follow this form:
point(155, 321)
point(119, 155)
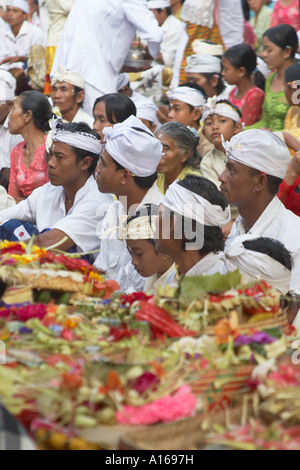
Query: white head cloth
point(192, 206)
point(64, 75)
point(203, 63)
point(7, 86)
point(199, 12)
point(255, 265)
point(79, 140)
point(123, 80)
point(22, 4)
point(203, 47)
point(223, 109)
point(261, 150)
point(141, 228)
point(133, 146)
point(146, 110)
point(154, 4)
point(187, 95)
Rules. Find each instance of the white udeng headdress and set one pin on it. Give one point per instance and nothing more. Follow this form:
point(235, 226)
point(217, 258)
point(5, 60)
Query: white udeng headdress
point(192, 206)
point(79, 140)
point(64, 75)
point(255, 265)
point(203, 63)
point(259, 149)
point(223, 109)
point(154, 4)
point(22, 4)
point(187, 95)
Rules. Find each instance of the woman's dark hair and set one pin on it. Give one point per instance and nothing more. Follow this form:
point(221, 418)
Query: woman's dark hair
point(246, 9)
point(185, 140)
point(214, 240)
point(284, 36)
point(259, 80)
point(242, 55)
point(118, 107)
point(292, 73)
point(81, 154)
point(273, 248)
point(40, 108)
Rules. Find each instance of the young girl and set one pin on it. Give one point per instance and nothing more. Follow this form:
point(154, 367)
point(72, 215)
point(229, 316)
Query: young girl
point(239, 63)
point(140, 234)
point(286, 12)
point(280, 46)
point(110, 109)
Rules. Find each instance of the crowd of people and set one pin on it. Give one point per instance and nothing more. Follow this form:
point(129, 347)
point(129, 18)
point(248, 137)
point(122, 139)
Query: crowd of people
point(177, 165)
point(186, 163)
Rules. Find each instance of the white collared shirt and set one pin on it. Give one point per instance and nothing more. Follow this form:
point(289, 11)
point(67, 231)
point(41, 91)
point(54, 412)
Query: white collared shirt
point(7, 143)
point(114, 258)
point(45, 208)
point(280, 224)
point(20, 45)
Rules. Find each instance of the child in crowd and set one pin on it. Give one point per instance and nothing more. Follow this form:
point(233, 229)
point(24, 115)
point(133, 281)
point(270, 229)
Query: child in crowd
point(261, 258)
point(292, 94)
point(220, 118)
point(289, 188)
point(140, 235)
point(260, 21)
point(239, 64)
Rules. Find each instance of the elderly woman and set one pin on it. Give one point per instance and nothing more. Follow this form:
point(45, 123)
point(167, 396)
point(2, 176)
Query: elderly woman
point(180, 155)
point(192, 215)
point(29, 117)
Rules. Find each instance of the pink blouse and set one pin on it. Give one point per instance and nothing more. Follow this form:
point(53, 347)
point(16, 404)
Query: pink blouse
point(250, 105)
point(288, 15)
point(24, 180)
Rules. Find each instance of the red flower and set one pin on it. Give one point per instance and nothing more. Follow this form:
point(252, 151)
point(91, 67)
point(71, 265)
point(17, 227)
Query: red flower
point(16, 249)
point(71, 381)
point(136, 296)
point(117, 334)
point(146, 381)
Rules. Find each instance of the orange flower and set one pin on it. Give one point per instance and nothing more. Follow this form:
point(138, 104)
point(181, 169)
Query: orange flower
point(226, 328)
point(113, 383)
point(71, 323)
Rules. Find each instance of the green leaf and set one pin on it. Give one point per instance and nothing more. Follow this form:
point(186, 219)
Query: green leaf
point(193, 287)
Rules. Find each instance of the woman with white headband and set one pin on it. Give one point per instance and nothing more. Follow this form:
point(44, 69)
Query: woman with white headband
point(192, 215)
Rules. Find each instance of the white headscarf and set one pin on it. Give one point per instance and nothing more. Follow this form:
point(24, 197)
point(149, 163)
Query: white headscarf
point(187, 95)
point(254, 265)
point(146, 110)
point(7, 86)
point(203, 47)
point(154, 4)
point(192, 206)
point(259, 149)
point(223, 109)
point(133, 146)
point(123, 80)
point(22, 4)
point(203, 63)
point(64, 75)
point(79, 140)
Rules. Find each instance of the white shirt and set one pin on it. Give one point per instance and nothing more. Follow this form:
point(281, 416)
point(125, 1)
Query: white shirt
point(281, 224)
point(45, 208)
point(7, 143)
point(172, 30)
point(211, 264)
point(58, 11)
point(20, 45)
point(231, 22)
point(97, 37)
point(114, 258)
point(82, 116)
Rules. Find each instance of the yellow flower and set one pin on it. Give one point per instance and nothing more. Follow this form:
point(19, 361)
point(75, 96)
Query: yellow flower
point(24, 259)
point(95, 276)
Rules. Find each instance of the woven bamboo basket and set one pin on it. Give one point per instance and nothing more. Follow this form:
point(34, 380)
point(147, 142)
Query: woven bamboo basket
point(188, 434)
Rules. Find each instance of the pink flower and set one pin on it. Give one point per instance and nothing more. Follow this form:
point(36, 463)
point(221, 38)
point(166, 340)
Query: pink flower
point(177, 406)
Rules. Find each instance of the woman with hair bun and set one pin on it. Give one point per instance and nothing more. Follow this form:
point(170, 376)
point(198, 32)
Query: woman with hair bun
point(180, 155)
point(29, 117)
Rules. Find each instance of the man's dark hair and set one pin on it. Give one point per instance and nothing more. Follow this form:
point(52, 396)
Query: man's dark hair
point(142, 182)
point(273, 248)
point(77, 90)
point(81, 154)
point(214, 240)
point(273, 182)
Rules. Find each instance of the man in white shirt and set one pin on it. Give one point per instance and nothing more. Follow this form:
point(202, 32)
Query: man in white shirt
point(256, 165)
point(97, 37)
point(127, 168)
point(7, 140)
point(67, 210)
point(17, 39)
point(67, 93)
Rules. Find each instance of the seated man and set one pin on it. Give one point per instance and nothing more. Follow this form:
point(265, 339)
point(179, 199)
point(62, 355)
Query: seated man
point(127, 168)
point(67, 93)
point(7, 140)
point(17, 39)
point(68, 210)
